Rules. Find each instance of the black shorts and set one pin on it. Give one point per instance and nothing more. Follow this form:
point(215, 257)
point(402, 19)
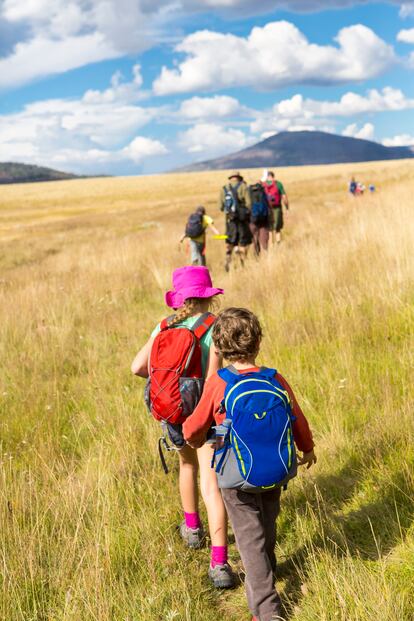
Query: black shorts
point(238, 233)
point(174, 434)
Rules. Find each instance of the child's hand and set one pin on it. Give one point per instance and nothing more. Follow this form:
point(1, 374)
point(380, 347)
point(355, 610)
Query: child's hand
point(308, 458)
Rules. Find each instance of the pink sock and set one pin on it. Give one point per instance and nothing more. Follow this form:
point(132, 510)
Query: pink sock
point(218, 555)
point(192, 520)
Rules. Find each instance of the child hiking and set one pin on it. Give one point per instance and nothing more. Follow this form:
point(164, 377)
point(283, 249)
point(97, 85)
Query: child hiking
point(195, 231)
point(176, 359)
point(255, 412)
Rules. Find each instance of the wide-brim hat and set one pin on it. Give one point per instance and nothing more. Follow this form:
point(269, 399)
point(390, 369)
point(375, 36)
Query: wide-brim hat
point(236, 173)
point(192, 281)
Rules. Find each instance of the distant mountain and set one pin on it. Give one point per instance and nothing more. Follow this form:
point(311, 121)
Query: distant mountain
point(304, 148)
point(12, 172)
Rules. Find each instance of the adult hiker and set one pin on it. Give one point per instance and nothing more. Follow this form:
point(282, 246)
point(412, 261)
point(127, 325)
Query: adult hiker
point(235, 201)
point(352, 186)
point(260, 217)
point(278, 199)
point(195, 231)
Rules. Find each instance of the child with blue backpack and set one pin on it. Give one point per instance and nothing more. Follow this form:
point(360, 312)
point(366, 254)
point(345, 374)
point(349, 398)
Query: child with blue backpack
point(258, 422)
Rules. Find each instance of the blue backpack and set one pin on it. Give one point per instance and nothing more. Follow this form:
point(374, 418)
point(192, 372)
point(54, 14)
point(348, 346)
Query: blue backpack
point(255, 447)
point(260, 204)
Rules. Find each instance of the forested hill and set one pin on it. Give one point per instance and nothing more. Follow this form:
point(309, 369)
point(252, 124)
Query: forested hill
point(13, 172)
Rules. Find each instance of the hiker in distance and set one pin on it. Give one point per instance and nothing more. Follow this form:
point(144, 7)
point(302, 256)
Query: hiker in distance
point(176, 359)
point(235, 201)
point(260, 217)
point(278, 199)
point(195, 231)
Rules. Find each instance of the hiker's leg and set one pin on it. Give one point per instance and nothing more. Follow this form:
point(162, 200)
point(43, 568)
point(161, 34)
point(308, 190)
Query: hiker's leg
point(188, 479)
point(246, 516)
point(229, 251)
point(264, 237)
point(279, 224)
point(202, 251)
point(195, 253)
point(255, 231)
point(270, 511)
point(217, 516)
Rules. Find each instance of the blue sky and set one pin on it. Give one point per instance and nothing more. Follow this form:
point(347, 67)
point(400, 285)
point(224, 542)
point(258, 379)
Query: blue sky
point(139, 86)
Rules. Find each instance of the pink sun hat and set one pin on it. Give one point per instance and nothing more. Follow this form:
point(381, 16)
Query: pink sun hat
point(190, 282)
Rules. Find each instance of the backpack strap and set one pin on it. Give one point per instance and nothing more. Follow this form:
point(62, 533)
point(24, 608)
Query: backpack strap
point(165, 323)
point(203, 324)
point(229, 374)
point(267, 373)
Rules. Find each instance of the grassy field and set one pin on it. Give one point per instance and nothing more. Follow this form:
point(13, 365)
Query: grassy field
point(88, 518)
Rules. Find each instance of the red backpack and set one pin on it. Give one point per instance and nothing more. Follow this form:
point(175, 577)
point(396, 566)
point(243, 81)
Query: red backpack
point(273, 193)
point(176, 379)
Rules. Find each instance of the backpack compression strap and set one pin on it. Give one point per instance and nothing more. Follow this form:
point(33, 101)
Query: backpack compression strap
point(203, 324)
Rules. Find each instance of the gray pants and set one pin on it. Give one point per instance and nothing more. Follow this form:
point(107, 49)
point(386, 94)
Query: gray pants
point(197, 253)
point(253, 518)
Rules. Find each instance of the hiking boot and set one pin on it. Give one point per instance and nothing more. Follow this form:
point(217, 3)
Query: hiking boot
point(274, 618)
point(222, 576)
point(193, 537)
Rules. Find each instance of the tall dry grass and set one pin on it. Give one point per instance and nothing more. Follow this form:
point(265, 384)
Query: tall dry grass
point(88, 517)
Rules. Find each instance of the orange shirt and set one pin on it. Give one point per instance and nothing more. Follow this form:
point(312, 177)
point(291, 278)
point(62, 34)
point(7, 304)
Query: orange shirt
point(207, 412)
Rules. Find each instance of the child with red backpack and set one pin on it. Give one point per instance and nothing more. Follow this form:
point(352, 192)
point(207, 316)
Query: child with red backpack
point(176, 360)
point(258, 422)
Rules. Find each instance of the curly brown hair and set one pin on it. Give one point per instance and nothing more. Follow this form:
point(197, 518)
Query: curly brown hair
point(237, 334)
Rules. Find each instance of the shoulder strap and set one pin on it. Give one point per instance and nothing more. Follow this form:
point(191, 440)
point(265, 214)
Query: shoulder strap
point(267, 373)
point(203, 324)
point(229, 374)
point(164, 325)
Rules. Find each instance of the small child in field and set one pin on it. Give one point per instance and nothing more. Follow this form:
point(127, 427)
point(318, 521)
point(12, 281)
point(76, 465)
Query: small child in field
point(195, 231)
point(237, 336)
point(191, 298)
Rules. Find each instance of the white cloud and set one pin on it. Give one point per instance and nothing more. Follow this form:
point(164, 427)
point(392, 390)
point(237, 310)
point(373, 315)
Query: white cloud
point(366, 132)
point(406, 36)
point(349, 104)
point(86, 133)
point(402, 140)
point(43, 56)
point(253, 6)
point(59, 35)
point(141, 147)
point(210, 139)
point(119, 89)
point(274, 56)
point(209, 107)
point(407, 9)
point(53, 36)
point(299, 110)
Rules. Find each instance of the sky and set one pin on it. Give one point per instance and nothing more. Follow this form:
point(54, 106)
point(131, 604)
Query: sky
point(143, 86)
